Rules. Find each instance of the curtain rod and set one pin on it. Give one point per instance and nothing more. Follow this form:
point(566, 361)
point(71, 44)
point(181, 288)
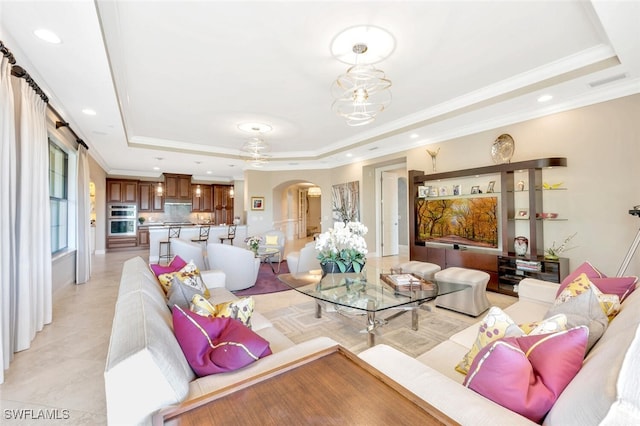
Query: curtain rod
point(7, 53)
point(18, 71)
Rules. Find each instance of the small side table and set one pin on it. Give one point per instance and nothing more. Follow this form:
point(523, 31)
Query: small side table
point(267, 254)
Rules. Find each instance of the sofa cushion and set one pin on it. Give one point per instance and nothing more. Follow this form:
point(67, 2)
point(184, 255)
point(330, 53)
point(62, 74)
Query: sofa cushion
point(581, 309)
point(532, 371)
point(611, 368)
point(216, 345)
point(621, 286)
point(185, 285)
point(497, 324)
point(240, 309)
point(176, 264)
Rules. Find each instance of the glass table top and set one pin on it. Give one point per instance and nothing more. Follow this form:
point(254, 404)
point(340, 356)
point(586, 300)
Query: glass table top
point(366, 292)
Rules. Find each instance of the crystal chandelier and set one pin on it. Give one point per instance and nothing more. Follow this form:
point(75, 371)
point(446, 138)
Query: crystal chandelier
point(255, 149)
point(361, 93)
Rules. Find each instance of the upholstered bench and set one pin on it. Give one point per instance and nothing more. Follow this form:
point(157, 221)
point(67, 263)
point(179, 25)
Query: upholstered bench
point(421, 269)
point(471, 301)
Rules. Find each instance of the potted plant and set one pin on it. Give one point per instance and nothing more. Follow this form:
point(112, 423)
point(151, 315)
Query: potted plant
point(553, 252)
point(253, 243)
point(342, 248)
point(141, 220)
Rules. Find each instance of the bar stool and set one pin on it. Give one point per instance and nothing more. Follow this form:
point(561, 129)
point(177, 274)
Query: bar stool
point(174, 232)
point(231, 234)
point(203, 236)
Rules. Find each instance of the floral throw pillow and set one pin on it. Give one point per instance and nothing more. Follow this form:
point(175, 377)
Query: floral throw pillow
point(497, 324)
point(240, 309)
point(188, 274)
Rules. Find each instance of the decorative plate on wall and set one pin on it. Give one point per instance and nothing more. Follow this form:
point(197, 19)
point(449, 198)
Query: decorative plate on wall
point(502, 149)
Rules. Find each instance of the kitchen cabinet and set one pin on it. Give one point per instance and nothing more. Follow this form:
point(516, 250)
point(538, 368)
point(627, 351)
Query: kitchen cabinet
point(222, 204)
point(148, 200)
point(204, 202)
point(143, 237)
point(122, 191)
point(177, 187)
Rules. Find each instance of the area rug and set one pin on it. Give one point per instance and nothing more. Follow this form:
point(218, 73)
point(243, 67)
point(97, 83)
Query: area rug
point(267, 281)
point(298, 323)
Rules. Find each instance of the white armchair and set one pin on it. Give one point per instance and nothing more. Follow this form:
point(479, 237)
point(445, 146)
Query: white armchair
point(303, 260)
point(188, 250)
point(274, 239)
point(239, 265)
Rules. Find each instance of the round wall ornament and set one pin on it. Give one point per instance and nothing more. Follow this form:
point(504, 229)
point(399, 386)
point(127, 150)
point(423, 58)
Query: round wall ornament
point(502, 149)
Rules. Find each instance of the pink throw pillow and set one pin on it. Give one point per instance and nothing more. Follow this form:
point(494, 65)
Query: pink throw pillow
point(586, 268)
point(621, 286)
point(216, 345)
point(176, 264)
point(527, 374)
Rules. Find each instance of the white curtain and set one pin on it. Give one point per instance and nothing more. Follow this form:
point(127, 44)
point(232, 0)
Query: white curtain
point(7, 216)
point(83, 253)
point(33, 286)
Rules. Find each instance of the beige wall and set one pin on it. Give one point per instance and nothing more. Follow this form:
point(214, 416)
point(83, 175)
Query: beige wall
point(602, 146)
point(98, 176)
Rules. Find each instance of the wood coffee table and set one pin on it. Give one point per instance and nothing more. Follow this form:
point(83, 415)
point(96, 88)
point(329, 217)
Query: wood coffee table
point(331, 387)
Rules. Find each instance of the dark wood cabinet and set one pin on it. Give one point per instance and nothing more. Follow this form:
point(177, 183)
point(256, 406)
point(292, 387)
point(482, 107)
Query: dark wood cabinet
point(148, 199)
point(122, 191)
point(204, 202)
point(143, 237)
point(512, 269)
point(502, 277)
point(222, 204)
point(177, 187)
point(122, 242)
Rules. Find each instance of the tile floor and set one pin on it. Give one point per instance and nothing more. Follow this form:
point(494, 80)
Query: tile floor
point(61, 376)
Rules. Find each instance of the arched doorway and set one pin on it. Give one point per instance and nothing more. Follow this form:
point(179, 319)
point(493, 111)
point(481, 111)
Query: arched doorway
point(300, 212)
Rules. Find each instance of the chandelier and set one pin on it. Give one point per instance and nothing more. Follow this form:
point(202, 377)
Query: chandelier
point(314, 191)
point(255, 149)
point(362, 92)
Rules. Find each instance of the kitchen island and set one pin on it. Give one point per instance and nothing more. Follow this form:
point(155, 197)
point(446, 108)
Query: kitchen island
point(187, 232)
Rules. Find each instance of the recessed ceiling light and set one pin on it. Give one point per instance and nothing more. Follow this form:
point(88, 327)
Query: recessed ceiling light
point(209, 172)
point(349, 154)
point(89, 111)
point(254, 127)
point(545, 98)
point(414, 135)
point(48, 36)
point(156, 168)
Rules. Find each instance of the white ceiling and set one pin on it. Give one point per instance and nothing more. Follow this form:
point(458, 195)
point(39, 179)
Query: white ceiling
point(173, 79)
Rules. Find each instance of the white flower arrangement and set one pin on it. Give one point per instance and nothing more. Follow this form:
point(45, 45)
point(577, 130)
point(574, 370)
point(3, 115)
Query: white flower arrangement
point(554, 252)
point(344, 244)
point(253, 242)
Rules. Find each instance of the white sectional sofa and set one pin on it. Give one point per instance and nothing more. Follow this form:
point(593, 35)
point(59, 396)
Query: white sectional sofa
point(605, 391)
point(146, 369)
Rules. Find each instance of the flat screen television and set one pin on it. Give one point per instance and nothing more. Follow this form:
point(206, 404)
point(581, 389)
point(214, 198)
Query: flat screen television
point(467, 221)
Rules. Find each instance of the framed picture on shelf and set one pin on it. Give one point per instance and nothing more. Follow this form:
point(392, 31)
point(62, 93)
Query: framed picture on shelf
point(457, 190)
point(522, 214)
point(423, 191)
point(490, 187)
point(475, 189)
point(433, 191)
point(257, 203)
point(443, 191)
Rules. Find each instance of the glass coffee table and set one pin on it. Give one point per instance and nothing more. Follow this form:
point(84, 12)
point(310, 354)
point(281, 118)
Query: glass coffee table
point(368, 294)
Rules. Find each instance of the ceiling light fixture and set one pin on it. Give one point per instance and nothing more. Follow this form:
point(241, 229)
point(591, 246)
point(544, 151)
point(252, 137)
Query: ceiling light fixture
point(314, 191)
point(545, 98)
point(89, 111)
point(47, 35)
point(255, 149)
point(362, 92)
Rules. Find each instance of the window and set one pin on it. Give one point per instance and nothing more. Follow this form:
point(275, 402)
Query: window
point(58, 183)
